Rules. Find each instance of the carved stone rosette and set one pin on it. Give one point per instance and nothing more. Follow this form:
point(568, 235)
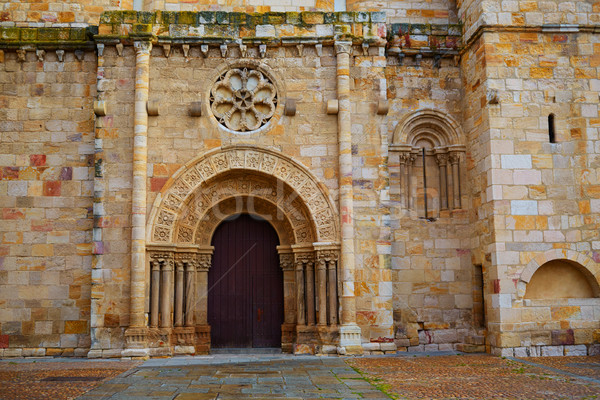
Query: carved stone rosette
point(243, 99)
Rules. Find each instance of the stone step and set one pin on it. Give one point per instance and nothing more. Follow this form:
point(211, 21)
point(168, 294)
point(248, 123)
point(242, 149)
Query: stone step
point(470, 348)
point(475, 339)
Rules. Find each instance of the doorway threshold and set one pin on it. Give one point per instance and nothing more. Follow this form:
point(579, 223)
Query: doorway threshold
point(246, 350)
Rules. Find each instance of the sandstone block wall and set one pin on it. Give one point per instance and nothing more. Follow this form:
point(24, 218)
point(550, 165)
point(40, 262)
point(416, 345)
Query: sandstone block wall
point(46, 184)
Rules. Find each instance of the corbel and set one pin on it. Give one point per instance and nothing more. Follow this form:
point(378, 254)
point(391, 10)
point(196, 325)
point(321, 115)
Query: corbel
point(262, 50)
point(319, 49)
point(243, 50)
point(401, 59)
point(100, 47)
point(332, 107)
point(223, 48)
point(40, 55)
point(365, 48)
point(383, 106)
point(100, 108)
point(21, 55)
point(119, 47)
point(290, 107)
point(186, 50)
point(60, 54)
point(300, 48)
point(152, 108)
point(196, 109)
point(204, 50)
point(166, 49)
point(492, 96)
point(437, 60)
point(418, 58)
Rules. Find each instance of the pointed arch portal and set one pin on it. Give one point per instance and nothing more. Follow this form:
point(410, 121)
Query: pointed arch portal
point(185, 228)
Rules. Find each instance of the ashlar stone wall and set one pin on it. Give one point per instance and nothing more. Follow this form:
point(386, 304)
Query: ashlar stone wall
point(46, 189)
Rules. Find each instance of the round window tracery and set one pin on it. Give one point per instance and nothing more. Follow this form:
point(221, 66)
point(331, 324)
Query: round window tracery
point(243, 99)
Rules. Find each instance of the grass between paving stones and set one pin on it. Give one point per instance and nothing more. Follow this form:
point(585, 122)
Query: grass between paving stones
point(384, 388)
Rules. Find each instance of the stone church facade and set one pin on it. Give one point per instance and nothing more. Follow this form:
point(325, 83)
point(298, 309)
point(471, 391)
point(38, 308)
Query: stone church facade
point(348, 178)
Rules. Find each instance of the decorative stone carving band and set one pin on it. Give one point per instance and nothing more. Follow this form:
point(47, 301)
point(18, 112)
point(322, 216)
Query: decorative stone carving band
point(243, 99)
point(197, 176)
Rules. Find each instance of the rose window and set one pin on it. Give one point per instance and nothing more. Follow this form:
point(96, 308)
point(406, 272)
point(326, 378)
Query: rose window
point(243, 99)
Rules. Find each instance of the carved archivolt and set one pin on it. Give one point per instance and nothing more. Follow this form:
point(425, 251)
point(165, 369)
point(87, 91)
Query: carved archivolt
point(242, 179)
point(243, 99)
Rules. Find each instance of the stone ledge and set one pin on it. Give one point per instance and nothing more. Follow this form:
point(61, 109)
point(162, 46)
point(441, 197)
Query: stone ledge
point(223, 26)
point(55, 37)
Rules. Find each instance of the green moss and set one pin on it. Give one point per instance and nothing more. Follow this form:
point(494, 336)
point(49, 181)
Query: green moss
point(292, 18)
point(275, 18)
point(130, 17)
point(146, 17)
point(254, 19)
point(329, 18)
point(222, 17)
point(111, 17)
point(142, 28)
point(207, 17)
point(47, 34)
point(10, 33)
point(28, 34)
point(187, 18)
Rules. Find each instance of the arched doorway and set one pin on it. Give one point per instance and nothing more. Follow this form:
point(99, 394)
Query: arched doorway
point(245, 285)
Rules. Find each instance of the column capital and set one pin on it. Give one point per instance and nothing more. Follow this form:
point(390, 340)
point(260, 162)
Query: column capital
point(442, 159)
point(454, 157)
point(343, 46)
point(204, 261)
point(286, 261)
point(142, 46)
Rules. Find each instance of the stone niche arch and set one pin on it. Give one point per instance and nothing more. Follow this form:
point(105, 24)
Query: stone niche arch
point(426, 154)
point(581, 262)
point(204, 192)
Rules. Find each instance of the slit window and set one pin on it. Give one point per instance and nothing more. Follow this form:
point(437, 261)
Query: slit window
point(551, 129)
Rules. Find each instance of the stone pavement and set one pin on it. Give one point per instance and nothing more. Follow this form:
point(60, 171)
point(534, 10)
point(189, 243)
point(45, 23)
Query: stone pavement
point(439, 375)
point(237, 376)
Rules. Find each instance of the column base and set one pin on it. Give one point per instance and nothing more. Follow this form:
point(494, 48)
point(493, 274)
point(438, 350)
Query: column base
point(136, 338)
point(350, 339)
point(202, 339)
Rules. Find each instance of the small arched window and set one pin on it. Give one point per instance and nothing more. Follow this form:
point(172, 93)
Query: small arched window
point(551, 129)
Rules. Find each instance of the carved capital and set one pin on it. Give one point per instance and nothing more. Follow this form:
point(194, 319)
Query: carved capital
point(442, 159)
point(343, 47)
point(454, 158)
point(204, 261)
point(286, 261)
point(142, 47)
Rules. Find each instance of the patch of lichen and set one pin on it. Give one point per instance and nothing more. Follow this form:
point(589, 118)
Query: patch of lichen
point(47, 36)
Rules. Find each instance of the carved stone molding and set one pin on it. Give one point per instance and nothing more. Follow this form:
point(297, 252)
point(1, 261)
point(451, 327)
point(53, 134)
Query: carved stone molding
point(243, 99)
point(242, 172)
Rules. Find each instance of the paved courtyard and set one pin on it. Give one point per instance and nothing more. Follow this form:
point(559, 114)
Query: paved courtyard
point(405, 376)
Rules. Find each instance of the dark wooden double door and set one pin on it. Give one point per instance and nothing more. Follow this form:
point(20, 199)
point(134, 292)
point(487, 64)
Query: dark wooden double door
point(245, 285)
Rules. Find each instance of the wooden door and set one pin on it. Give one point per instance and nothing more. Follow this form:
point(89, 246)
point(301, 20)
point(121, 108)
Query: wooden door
point(245, 285)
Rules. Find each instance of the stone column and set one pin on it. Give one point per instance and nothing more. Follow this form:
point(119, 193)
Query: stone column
point(138, 200)
point(300, 309)
point(410, 186)
point(190, 298)
point(349, 332)
point(97, 281)
point(310, 292)
point(454, 161)
point(203, 263)
point(442, 160)
point(333, 312)
point(155, 295)
point(322, 290)
point(179, 293)
point(166, 294)
point(403, 180)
